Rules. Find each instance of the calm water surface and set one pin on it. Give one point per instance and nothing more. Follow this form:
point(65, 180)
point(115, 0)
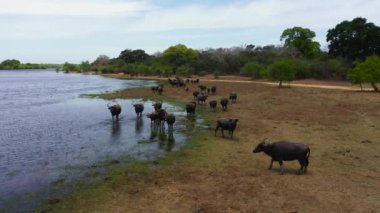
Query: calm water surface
point(50, 134)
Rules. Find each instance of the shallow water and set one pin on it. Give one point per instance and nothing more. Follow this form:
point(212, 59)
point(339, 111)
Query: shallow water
point(49, 133)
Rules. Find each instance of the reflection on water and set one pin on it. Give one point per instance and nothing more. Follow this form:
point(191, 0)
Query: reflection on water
point(139, 124)
point(49, 133)
point(115, 131)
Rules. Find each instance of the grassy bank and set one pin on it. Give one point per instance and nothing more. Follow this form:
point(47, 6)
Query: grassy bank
point(215, 174)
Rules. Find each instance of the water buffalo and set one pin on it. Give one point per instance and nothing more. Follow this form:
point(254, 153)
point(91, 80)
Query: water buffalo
point(161, 113)
point(190, 108)
point(201, 98)
point(154, 89)
point(160, 90)
point(170, 119)
point(157, 106)
point(153, 117)
point(202, 87)
point(233, 97)
point(213, 104)
point(115, 110)
point(208, 90)
point(285, 151)
point(224, 103)
point(195, 94)
point(213, 90)
point(139, 108)
point(226, 124)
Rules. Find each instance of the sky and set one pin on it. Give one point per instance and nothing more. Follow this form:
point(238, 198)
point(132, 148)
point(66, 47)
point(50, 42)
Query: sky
point(56, 31)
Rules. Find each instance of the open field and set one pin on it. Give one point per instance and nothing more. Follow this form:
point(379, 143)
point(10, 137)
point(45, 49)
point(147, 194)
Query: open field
point(215, 174)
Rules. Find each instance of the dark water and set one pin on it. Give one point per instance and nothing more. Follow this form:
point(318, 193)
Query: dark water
point(49, 133)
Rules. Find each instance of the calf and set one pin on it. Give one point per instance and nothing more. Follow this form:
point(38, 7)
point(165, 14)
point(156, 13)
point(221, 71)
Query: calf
point(226, 124)
point(213, 104)
point(224, 103)
point(285, 151)
point(139, 108)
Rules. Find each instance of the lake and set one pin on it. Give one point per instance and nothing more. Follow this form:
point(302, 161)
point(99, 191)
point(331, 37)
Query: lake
point(52, 135)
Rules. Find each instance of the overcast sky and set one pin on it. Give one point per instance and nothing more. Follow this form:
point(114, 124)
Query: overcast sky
point(55, 31)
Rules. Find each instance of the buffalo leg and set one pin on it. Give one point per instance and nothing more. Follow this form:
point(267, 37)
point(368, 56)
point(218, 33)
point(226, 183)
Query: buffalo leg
point(271, 164)
point(281, 166)
point(303, 165)
point(216, 129)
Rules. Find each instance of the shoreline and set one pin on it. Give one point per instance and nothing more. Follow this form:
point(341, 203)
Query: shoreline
point(311, 83)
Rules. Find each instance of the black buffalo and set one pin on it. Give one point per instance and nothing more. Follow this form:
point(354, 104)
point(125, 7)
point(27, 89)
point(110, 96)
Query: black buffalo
point(201, 98)
point(213, 104)
point(153, 118)
point(139, 108)
point(213, 90)
point(233, 97)
point(195, 94)
point(157, 106)
point(226, 124)
point(170, 119)
point(190, 108)
point(154, 89)
point(202, 87)
point(160, 90)
point(115, 110)
point(224, 103)
point(286, 151)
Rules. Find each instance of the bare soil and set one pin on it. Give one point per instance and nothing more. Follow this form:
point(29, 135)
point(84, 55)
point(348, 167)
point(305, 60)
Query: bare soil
point(342, 128)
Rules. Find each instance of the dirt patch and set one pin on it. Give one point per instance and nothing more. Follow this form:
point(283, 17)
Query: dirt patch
point(222, 175)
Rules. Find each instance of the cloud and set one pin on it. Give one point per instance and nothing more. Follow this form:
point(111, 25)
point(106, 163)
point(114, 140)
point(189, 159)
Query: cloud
point(258, 13)
point(71, 7)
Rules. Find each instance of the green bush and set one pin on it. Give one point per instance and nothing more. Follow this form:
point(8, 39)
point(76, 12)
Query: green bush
point(254, 70)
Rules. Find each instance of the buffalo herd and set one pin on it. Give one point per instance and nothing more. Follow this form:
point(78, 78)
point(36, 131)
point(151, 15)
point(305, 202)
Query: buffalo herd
point(278, 151)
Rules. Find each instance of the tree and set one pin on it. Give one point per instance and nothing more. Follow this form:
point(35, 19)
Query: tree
point(354, 39)
point(254, 69)
point(85, 66)
point(302, 39)
point(281, 70)
point(10, 64)
point(67, 67)
point(133, 56)
point(101, 60)
point(367, 72)
point(179, 55)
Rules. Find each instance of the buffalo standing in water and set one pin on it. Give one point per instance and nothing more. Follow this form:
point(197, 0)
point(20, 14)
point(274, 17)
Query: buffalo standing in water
point(226, 124)
point(115, 110)
point(170, 119)
point(139, 108)
point(285, 151)
point(190, 108)
point(157, 106)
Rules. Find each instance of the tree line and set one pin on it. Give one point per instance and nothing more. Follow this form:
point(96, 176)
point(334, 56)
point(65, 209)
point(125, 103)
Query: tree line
point(353, 54)
point(13, 64)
